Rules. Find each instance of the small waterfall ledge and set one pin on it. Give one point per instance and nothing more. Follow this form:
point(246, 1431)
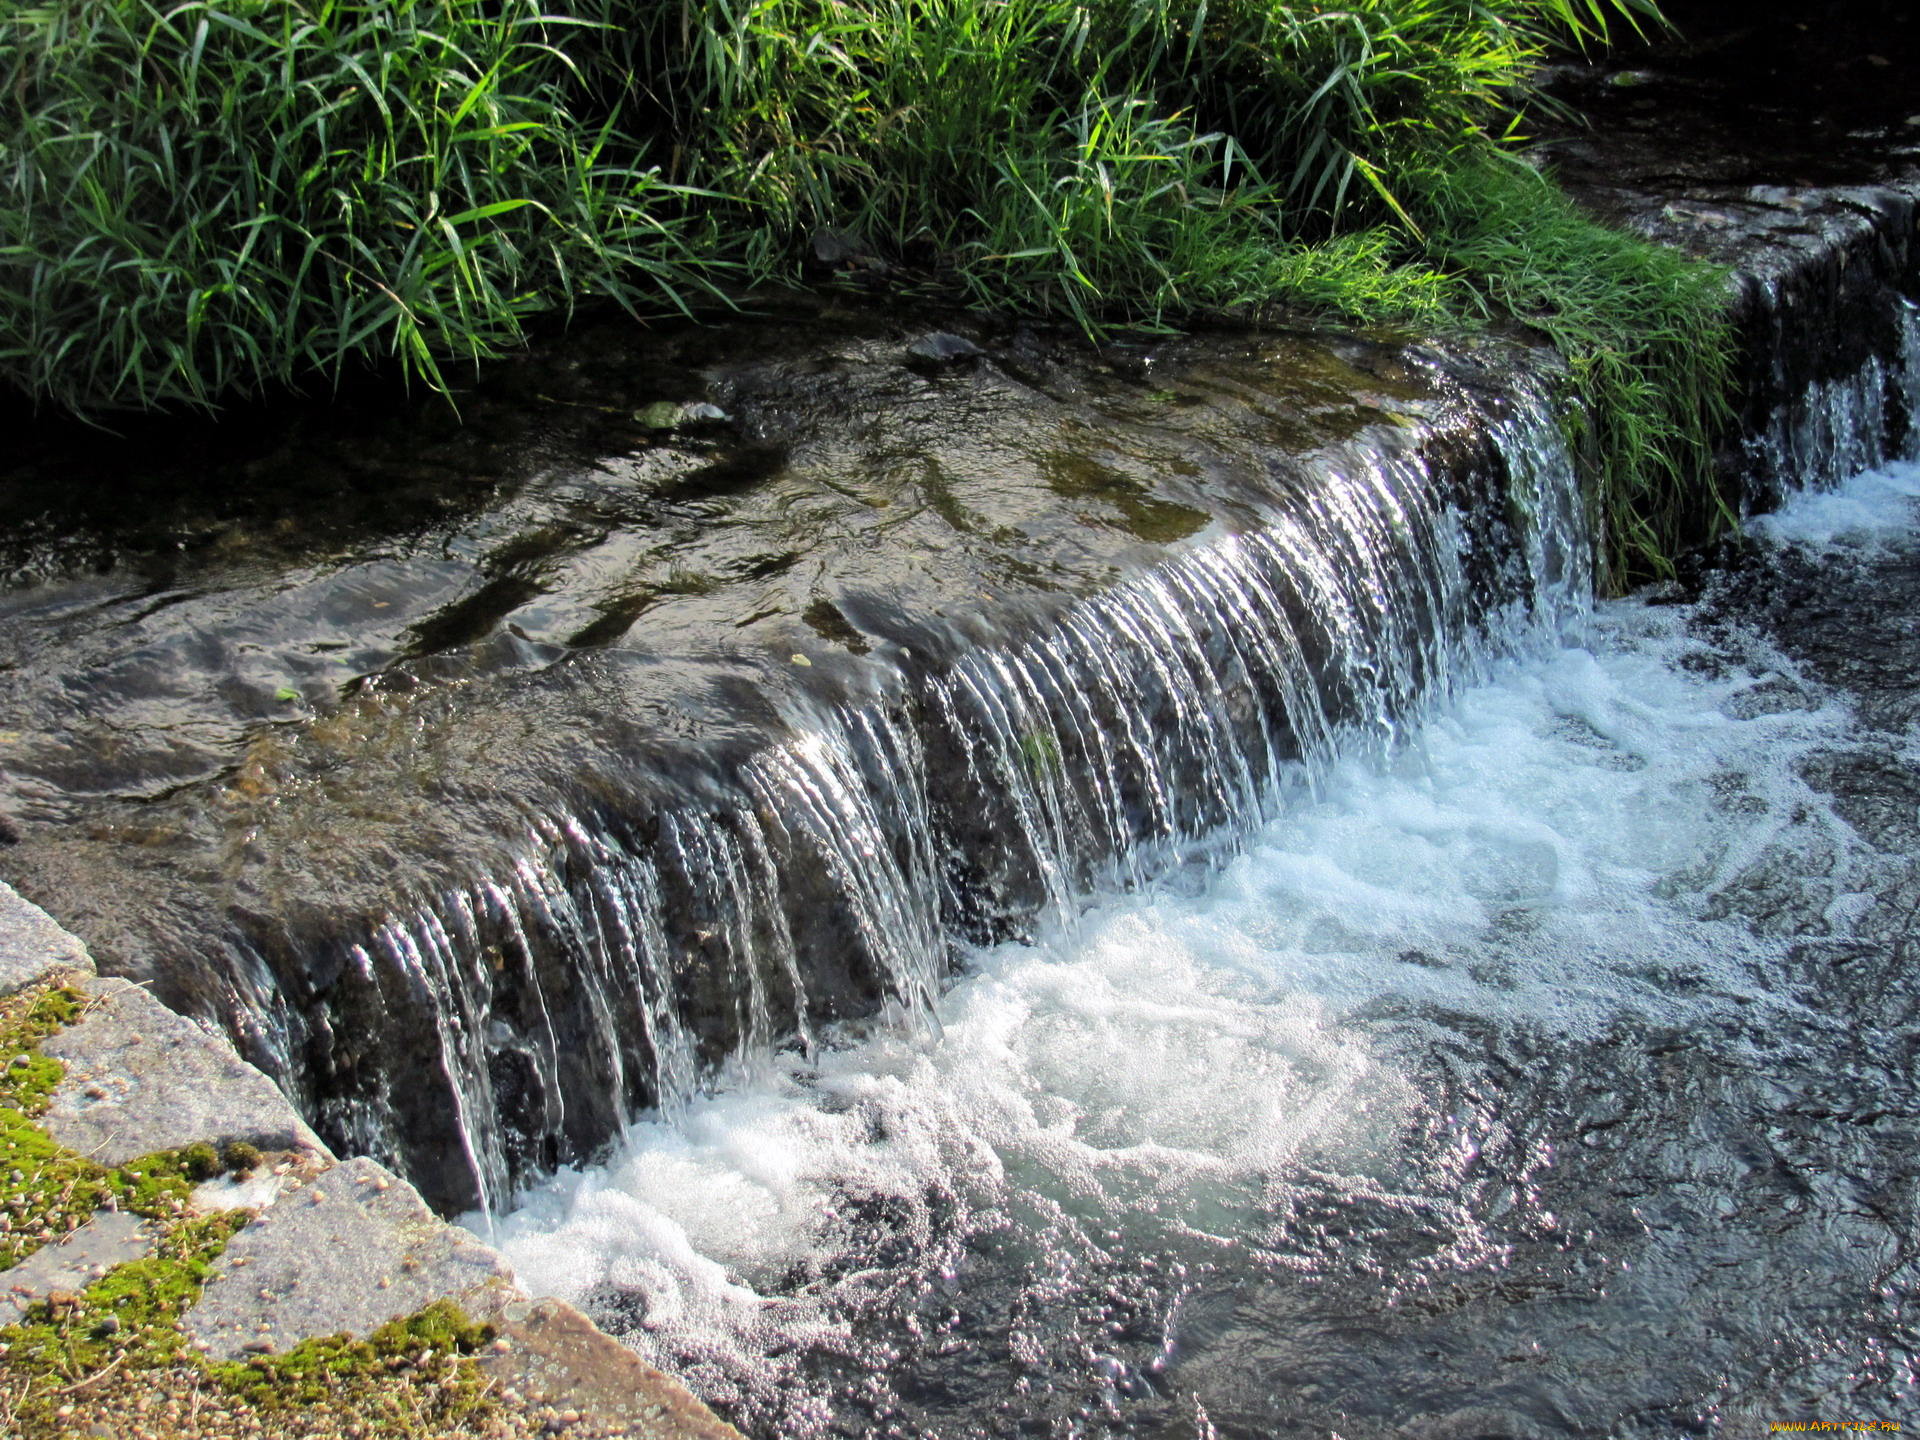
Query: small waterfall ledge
point(1135, 732)
point(1127, 734)
point(609, 806)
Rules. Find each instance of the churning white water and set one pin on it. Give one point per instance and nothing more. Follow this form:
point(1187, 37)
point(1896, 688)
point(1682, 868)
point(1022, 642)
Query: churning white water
point(1550, 848)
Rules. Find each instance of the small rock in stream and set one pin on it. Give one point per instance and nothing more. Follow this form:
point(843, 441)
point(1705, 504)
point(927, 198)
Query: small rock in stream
point(943, 347)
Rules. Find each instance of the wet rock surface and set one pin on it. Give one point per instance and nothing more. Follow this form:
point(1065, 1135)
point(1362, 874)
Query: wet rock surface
point(326, 763)
point(1778, 140)
point(1663, 1227)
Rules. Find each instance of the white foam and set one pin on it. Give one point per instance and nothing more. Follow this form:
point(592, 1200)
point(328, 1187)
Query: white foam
point(1868, 508)
point(1549, 850)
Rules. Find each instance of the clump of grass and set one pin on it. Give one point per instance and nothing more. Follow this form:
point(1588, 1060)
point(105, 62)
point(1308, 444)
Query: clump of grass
point(206, 198)
point(203, 199)
point(895, 117)
point(1122, 214)
point(1645, 331)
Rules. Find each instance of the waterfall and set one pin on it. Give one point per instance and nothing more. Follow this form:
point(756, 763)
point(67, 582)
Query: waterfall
point(1133, 732)
point(1835, 428)
point(634, 950)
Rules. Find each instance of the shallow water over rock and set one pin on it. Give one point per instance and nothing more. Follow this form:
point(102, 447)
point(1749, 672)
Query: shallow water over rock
point(702, 690)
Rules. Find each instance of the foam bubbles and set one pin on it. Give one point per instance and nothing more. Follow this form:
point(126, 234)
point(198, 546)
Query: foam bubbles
point(1870, 507)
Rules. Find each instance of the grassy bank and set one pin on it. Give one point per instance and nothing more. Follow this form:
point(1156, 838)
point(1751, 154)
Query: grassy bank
point(208, 198)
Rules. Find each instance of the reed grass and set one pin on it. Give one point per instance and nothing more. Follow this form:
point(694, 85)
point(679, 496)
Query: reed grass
point(206, 198)
point(1646, 333)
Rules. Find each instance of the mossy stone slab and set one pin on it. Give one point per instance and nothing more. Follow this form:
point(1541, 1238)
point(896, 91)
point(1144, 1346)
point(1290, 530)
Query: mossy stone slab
point(141, 1078)
point(112, 1237)
point(347, 1251)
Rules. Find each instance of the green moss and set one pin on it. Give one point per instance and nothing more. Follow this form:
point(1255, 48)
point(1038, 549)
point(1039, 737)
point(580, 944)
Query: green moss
point(200, 1161)
point(411, 1378)
point(1041, 752)
point(1128, 504)
point(132, 1314)
point(46, 1190)
point(330, 1370)
point(27, 1078)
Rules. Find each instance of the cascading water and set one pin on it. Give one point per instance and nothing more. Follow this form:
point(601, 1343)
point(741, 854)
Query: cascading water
point(1134, 732)
point(987, 796)
point(874, 786)
point(1419, 1111)
point(1835, 429)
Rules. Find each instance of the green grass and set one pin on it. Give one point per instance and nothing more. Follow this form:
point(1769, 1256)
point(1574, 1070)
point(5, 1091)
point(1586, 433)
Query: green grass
point(204, 199)
point(212, 198)
point(1645, 332)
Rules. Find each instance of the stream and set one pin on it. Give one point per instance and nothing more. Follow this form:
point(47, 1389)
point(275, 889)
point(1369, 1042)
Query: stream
point(1550, 1074)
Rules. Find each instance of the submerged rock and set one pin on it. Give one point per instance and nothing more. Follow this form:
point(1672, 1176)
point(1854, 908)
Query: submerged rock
point(564, 822)
point(944, 347)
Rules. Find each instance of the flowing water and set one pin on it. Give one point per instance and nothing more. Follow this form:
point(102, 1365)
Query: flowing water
point(1129, 893)
point(1544, 1067)
point(503, 780)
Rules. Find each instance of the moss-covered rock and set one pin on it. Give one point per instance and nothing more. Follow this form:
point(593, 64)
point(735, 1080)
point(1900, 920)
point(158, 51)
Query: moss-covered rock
point(74, 1352)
